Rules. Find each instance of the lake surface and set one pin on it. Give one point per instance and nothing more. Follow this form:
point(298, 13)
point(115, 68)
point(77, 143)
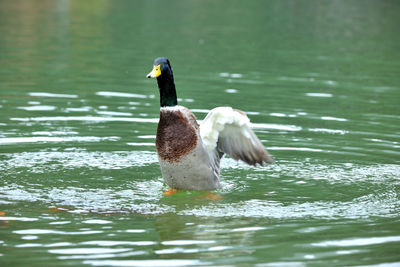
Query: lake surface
point(80, 183)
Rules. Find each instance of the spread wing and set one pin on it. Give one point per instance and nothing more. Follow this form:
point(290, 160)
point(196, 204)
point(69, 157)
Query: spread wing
point(228, 131)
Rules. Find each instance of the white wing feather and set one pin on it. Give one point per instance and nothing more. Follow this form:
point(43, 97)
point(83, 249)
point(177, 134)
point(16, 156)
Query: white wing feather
point(227, 130)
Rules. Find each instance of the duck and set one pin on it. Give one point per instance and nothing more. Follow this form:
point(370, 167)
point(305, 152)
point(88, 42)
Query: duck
point(190, 153)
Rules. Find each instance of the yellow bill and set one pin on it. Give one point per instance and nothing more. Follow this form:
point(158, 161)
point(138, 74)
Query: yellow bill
point(155, 72)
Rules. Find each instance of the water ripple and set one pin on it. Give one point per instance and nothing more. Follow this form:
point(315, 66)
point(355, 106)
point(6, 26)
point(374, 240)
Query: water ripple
point(140, 263)
point(48, 231)
point(39, 161)
point(329, 118)
point(187, 242)
point(331, 131)
point(88, 250)
point(366, 241)
point(87, 118)
point(276, 126)
point(119, 94)
point(42, 139)
point(319, 94)
point(43, 94)
point(359, 208)
point(38, 108)
point(23, 219)
point(109, 243)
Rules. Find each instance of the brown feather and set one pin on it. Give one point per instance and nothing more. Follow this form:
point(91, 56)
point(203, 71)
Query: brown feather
point(176, 136)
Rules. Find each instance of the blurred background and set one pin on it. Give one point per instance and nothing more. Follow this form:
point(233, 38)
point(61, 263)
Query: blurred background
point(79, 178)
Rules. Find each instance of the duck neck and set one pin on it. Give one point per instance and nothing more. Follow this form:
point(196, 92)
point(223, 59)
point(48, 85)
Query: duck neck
point(167, 89)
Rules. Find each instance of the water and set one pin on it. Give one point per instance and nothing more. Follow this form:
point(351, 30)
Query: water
point(80, 182)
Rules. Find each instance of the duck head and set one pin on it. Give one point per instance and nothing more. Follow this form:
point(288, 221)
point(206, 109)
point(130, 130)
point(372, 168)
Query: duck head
point(162, 71)
point(161, 67)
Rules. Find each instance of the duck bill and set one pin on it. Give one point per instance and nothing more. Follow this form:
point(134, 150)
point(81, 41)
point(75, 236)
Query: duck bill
point(155, 72)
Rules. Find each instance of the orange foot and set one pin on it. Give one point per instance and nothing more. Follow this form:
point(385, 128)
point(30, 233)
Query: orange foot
point(3, 214)
point(170, 191)
point(57, 209)
point(212, 196)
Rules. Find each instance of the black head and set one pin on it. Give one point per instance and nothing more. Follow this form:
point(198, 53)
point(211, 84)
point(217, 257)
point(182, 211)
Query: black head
point(163, 72)
point(161, 67)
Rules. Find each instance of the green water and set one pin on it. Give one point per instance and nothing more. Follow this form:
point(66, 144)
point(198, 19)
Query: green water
point(80, 183)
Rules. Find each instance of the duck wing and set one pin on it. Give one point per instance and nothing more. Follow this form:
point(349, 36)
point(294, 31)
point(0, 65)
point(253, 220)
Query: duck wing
point(227, 130)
